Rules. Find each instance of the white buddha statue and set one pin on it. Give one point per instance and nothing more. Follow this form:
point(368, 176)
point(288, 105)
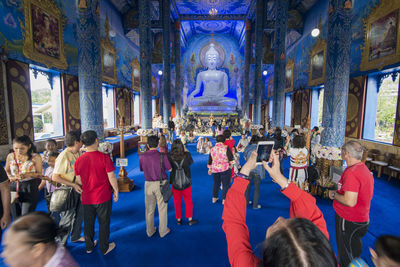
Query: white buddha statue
point(215, 83)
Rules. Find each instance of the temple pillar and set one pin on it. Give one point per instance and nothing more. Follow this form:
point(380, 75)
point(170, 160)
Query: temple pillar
point(282, 11)
point(145, 64)
point(258, 82)
point(89, 70)
point(177, 49)
point(247, 61)
point(337, 74)
point(166, 14)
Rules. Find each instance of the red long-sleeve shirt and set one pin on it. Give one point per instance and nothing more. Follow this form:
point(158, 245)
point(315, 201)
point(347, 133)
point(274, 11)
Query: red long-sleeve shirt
point(302, 205)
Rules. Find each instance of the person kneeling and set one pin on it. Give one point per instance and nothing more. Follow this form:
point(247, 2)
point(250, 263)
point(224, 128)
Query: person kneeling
point(301, 240)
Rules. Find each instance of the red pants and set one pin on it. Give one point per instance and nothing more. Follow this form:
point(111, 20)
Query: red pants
point(187, 197)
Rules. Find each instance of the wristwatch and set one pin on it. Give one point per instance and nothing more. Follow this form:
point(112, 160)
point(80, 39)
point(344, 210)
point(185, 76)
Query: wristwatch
point(286, 186)
point(242, 176)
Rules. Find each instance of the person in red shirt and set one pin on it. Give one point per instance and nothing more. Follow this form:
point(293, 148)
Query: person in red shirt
point(352, 202)
point(301, 240)
point(230, 142)
point(95, 170)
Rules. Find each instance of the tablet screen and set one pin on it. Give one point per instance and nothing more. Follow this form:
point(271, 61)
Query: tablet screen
point(264, 151)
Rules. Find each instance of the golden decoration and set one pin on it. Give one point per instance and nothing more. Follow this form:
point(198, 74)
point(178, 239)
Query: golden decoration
point(352, 107)
point(75, 84)
point(135, 75)
point(77, 125)
point(319, 47)
point(14, 72)
point(28, 119)
point(21, 103)
point(82, 4)
point(72, 122)
point(107, 48)
point(25, 126)
point(50, 8)
point(121, 107)
point(22, 78)
point(289, 66)
point(19, 132)
point(73, 105)
point(385, 8)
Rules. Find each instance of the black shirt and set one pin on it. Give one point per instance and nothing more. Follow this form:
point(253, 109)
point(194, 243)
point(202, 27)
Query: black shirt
point(187, 161)
point(171, 125)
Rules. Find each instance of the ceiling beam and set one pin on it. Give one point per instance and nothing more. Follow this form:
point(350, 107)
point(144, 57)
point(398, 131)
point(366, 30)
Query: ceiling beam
point(184, 17)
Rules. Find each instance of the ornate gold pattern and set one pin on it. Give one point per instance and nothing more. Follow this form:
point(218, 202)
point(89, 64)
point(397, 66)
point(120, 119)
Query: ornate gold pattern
point(21, 103)
point(289, 66)
point(107, 46)
point(318, 47)
point(29, 51)
point(135, 75)
point(383, 9)
point(73, 105)
point(3, 118)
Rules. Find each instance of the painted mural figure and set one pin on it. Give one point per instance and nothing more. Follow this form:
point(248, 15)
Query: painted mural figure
point(215, 83)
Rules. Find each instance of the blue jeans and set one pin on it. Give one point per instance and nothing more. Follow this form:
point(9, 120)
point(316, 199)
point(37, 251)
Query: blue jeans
point(171, 135)
point(256, 196)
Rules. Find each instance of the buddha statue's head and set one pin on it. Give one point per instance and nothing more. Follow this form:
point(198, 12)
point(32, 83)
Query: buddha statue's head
point(212, 57)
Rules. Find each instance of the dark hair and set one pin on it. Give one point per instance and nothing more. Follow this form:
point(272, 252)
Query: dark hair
point(316, 128)
point(89, 137)
point(163, 141)
point(299, 141)
point(388, 246)
point(152, 141)
point(227, 134)
point(51, 141)
point(299, 243)
point(295, 131)
point(39, 227)
point(177, 150)
point(254, 139)
point(72, 137)
point(219, 127)
point(26, 141)
point(220, 138)
point(207, 139)
point(278, 133)
point(53, 154)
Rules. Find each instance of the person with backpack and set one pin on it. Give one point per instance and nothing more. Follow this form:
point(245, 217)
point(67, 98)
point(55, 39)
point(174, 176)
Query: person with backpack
point(181, 182)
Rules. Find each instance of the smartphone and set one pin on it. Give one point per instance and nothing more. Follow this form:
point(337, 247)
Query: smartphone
point(264, 149)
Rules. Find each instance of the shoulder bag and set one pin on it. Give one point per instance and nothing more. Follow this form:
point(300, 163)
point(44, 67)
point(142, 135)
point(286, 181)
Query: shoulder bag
point(165, 188)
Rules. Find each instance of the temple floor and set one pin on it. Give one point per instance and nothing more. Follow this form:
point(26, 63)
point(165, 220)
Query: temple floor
point(204, 244)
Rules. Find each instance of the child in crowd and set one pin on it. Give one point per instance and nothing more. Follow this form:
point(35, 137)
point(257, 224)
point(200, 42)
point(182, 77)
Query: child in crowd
point(191, 137)
point(162, 145)
point(48, 184)
point(183, 137)
point(51, 146)
point(207, 145)
point(385, 254)
point(200, 143)
point(236, 156)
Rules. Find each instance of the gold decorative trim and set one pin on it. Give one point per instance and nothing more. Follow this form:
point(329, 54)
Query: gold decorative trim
point(319, 47)
point(53, 14)
point(289, 66)
point(383, 9)
point(136, 78)
point(107, 46)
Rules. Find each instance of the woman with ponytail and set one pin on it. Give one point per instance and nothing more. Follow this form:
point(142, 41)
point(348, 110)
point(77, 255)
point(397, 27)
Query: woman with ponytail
point(30, 241)
point(23, 167)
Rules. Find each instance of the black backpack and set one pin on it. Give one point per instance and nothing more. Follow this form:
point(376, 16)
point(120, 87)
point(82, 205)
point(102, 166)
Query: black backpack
point(181, 181)
point(313, 173)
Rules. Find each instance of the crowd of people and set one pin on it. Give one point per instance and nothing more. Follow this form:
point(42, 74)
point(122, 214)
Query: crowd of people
point(89, 182)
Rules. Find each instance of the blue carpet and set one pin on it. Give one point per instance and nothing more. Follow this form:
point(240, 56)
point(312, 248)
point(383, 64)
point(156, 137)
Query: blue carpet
point(204, 244)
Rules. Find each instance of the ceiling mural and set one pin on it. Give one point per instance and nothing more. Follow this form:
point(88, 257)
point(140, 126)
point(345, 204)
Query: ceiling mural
point(199, 7)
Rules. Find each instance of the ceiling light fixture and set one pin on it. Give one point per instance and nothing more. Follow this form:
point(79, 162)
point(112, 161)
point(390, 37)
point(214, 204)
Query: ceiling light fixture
point(265, 73)
point(160, 72)
point(315, 32)
point(213, 11)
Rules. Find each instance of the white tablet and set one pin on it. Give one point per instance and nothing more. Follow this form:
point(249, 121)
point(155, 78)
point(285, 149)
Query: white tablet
point(264, 149)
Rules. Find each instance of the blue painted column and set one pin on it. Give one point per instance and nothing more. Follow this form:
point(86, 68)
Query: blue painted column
point(177, 49)
point(166, 14)
point(337, 74)
point(258, 81)
point(247, 60)
point(145, 64)
point(89, 70)
point(282, 10)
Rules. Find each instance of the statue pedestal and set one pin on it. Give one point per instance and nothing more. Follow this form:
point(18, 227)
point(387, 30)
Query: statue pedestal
point(124, 183)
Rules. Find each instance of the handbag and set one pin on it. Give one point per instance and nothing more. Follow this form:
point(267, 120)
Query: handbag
point(63, 199)
point(165, 188)
point(14, 194)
